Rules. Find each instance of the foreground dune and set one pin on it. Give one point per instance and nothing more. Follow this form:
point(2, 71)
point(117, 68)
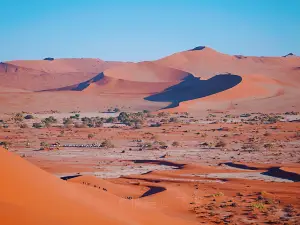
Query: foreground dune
point(32, 196)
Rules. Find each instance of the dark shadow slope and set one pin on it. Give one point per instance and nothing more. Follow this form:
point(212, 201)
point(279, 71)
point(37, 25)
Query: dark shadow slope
point(192, 88)
point(277, 172)
point(80, 86)
point(153, 190)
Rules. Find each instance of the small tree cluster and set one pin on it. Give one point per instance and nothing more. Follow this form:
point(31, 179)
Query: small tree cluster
point(93, 121)
point(132, 119)
point(49, 121)
point(76, 116)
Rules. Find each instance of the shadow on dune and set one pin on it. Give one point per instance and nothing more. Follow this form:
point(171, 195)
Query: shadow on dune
point(277, 172)
point(70, 177)
point(239, 166)
point(160, 162)
point(80, 86)
point(85, 84)
point(192, 88)
point(153, 190)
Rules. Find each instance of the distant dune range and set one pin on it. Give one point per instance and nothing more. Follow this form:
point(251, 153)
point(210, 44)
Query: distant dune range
point(193, 80)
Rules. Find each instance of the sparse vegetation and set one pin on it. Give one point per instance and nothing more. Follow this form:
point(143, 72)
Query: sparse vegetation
point(107, 144)
point(90, 136)
point(5, 144)
point(23, 125)
point(18, 117)
point(76, 116)
point(250, 147)
point(116, 110)
point(67, 122)
point(111, 120)
point(49, 121)
point(44, 145)
point(37, 125)
point(93, 121)
point(175, 144)
point(132, 119)
point(258, 205)
point(218, 194)
point(220, 144)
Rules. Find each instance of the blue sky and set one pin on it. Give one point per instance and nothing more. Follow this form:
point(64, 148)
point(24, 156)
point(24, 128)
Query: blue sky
point(146, 30)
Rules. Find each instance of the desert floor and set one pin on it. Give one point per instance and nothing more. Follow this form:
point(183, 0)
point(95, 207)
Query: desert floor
point(200, 169)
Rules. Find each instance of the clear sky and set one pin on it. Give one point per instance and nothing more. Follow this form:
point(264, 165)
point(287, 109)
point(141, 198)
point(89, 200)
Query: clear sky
point(136, 30)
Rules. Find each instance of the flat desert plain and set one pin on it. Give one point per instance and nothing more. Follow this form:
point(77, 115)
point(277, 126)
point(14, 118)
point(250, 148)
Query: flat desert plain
point(197, 137)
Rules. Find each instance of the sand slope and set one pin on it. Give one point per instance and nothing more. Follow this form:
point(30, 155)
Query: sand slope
point(139, 78)
point(31, 196)
point(36, 75)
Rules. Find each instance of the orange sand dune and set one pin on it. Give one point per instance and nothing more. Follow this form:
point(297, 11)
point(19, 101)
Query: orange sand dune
point(37, 75)
point(146, 72)
point(119, 86)
point(206, 62)
point(8, 90)
point(31, 196)
point(88, 65)
point(251, 87)
point(139, 78)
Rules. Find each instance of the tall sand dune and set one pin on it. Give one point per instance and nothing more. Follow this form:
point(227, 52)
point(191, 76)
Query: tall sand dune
point(206, 62)
point(139, 78)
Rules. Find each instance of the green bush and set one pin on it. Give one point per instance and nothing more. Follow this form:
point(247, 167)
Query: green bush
point(49, 120)
point(111, 120)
